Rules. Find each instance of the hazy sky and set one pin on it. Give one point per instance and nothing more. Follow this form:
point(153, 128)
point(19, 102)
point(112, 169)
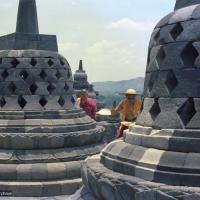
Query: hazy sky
point(110, 36)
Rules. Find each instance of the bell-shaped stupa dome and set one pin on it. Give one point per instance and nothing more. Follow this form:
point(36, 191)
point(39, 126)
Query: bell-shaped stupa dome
point(158, 158)
point(44, 138)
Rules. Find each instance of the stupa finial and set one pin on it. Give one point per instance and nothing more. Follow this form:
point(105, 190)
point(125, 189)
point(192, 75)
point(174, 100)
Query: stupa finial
point(27, 21)
point(81, 65)
point(185, 3)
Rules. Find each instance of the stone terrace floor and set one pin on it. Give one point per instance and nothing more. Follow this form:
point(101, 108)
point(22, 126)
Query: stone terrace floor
point(81, 194)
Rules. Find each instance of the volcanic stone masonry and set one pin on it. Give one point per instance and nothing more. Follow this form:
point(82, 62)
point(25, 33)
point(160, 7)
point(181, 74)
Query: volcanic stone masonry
point(159, 157)
point(81, 82)
point(44, 138)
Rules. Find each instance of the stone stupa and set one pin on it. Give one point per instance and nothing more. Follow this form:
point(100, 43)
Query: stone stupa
point(44, 138)
point(81, 81)
point(159, 158)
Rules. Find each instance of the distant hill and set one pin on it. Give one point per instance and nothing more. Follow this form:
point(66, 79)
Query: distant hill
point(113, 87)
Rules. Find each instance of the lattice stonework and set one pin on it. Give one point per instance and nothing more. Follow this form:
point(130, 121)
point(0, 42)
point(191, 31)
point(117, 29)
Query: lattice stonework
point(171, 81)
point(189, 55)
point(155, 109)
point(23, 76)
point(176, 31)
point(187, 111)
point(173, 70)
point(160, 56)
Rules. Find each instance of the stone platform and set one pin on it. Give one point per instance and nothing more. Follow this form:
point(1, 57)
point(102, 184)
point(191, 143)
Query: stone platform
point(81, 194)
point(159, 157)
point(44, 138)
point(109, 185)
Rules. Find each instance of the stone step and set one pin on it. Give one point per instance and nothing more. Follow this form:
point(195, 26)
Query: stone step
point(153, 159)
point(60, 114)
point(48, 140)
point(164, 142)
point(49, 155)
point(111, 185)
point(149, 174)
point(143, 130)
point(39, 189)
point(46, 123)
point(40, 171)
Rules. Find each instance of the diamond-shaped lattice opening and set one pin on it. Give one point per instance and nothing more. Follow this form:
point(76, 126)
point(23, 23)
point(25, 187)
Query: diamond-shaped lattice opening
point(171, 81)
point(148, 57)
point(189, 55)
point(155, 109)
point(160, 56)
point(33, 62)
point(187, 111)
point(157, 35)
point(24, 74)
point(153, 78)
point(61, 101)
point(12, 88)
point(73, 100)
point(14, 62)
point(51, 88)
point(62, 62)
point(50, 62)
point(43, 74)
point(22, 102)
point(66, 87)
point(68, 74)
point(176, 31)
point(2, 102)
point(43, 101)
point(58, 74)
point(33, 88)
point(4, 74)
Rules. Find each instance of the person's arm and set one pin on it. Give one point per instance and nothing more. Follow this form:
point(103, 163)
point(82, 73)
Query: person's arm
point(118, 109)
point(78, 102)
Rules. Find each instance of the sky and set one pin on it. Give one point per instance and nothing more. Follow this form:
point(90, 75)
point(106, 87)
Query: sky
point(110, 36)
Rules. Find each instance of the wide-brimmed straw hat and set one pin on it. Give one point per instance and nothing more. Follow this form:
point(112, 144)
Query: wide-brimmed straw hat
point(131, 92)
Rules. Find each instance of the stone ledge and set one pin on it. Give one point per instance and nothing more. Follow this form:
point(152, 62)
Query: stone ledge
point(39, 140)
point(28, 41)
point(109, 185)
point(167, 143)
point(49, 155)
point(39, 189)
point(168, 167)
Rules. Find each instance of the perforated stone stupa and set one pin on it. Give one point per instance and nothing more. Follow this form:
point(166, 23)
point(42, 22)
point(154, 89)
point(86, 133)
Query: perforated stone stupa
point(43, 137)
point(158, 159)
point(81, 81)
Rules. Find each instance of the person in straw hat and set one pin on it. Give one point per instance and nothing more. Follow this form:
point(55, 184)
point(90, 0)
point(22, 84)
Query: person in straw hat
point(129, 109)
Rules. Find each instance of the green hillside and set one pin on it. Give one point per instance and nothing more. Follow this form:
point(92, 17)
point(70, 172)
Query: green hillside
point(109, 90)
point(113, 87)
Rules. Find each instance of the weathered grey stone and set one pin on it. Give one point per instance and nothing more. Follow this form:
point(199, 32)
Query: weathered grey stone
point(44, 138)
point(140, 129)
point(15, 41)
point(152, 195)
point(24, 172)
point(190, 197)
point(82, 194)
point(185, 3)
point(163, 145)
